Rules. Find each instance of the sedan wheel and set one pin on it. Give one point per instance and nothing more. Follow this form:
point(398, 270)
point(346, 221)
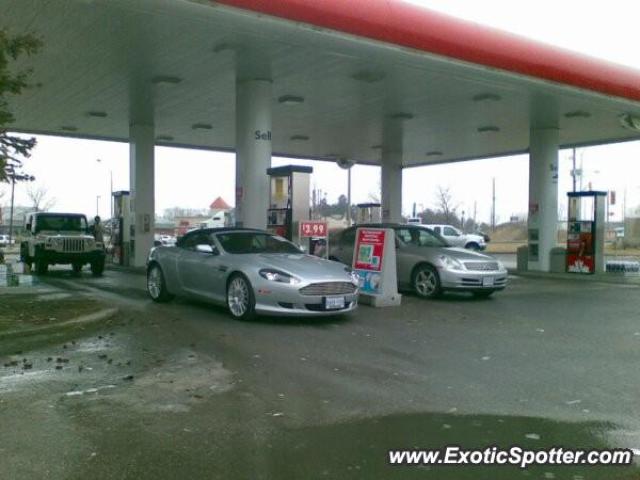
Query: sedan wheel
point(426, 282)
point(240, 298)
point(156, 286)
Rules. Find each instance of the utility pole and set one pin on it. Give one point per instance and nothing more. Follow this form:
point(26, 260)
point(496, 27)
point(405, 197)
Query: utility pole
point(493, 205)
point(15, 177)
point(349, 196)
point(573, 172)
point(624, 207)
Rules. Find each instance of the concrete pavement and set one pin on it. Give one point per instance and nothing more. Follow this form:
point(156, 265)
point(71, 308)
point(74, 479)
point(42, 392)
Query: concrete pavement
point(191, 393)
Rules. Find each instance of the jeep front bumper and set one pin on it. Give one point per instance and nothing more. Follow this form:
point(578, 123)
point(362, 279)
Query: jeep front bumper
point(61, 258)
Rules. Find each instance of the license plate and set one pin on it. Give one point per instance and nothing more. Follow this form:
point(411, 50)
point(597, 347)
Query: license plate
point(487, 282)
point(333, 303)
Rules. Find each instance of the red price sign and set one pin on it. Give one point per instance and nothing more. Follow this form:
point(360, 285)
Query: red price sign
point(369, 250)
point(314, 229)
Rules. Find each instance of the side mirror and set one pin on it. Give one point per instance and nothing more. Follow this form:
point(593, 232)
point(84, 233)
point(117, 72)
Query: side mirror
point(204, 248)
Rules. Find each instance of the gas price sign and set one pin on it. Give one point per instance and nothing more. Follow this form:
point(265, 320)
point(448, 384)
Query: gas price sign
point(313, 229)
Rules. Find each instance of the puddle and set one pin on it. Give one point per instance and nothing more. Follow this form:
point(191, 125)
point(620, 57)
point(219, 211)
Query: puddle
point(359, 449)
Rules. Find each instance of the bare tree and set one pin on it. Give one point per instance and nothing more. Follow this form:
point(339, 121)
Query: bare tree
point(376, 196)
point(446, 204)
point(39, 200)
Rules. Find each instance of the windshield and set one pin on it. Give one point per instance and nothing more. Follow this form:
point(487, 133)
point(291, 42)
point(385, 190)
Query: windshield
point(420, 237)
point(66, 223)
point(255, 242)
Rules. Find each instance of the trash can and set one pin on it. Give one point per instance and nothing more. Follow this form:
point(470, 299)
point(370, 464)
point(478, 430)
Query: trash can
point(558, 260)
point(522, 258)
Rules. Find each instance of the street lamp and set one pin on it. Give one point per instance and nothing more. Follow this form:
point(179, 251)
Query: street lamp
point(99, 160)
point(15, 177)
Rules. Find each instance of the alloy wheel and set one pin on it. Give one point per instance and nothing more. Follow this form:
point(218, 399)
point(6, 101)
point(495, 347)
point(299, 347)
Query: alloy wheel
point(426, 283)
point(238, 297)
point(154, 283)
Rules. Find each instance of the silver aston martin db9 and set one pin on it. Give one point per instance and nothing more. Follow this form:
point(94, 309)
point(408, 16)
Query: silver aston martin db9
point(251, 272)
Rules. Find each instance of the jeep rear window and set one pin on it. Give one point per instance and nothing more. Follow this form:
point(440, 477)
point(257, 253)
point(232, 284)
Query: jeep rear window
point(61, 223)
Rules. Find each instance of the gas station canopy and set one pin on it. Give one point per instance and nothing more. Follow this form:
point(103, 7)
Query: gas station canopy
point(340, 70)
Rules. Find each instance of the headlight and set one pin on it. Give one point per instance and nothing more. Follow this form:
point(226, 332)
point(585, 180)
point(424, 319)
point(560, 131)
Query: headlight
point(451, 263)
point(277, 276)
point(501, 266)
point(355, 278)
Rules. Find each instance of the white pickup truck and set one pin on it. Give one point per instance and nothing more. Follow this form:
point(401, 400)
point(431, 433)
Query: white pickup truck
point(456, 238)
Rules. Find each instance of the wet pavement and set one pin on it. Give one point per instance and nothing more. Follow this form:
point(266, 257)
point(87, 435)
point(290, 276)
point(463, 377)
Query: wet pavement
point(183, 391)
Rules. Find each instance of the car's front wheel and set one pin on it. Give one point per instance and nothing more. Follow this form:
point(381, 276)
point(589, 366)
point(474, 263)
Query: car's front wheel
point(240, 298)
point(156, 285)
point(426, 281)
point(473, 246)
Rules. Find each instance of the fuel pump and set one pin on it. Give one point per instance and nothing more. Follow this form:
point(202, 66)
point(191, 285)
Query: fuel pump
point(289, 196)
point(368, 213)
point(585, 232)
point(121, 228)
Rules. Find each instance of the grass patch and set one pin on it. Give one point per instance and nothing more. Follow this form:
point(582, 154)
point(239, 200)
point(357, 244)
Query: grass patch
point(19, 312)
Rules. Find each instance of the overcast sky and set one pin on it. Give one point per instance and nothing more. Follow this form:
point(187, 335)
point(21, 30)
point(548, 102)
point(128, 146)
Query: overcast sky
point(69, 169)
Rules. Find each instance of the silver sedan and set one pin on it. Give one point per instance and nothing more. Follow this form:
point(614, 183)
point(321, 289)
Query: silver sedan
point(251, 272)
point(428, 265)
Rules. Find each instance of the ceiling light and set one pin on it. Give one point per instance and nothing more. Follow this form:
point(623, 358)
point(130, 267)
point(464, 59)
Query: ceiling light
point(434, 153)
point(291, 100)
point(201, 126)
point(401, 116)
point(165, 80)
point(368, 76)
point(488, 128)
point(97, 114)
point(630, 122)
point(577, 114)
point(69, 128)
point(301, 138)
point(481, 97)
point(164, 138)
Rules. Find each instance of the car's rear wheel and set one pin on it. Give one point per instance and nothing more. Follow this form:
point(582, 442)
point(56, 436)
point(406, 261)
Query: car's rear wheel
point(77, 267)
point(426, 281)
point(156, 285)
point(240, 298)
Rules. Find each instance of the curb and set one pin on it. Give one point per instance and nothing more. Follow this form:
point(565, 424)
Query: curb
point(99, 316)
point(611, 278)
